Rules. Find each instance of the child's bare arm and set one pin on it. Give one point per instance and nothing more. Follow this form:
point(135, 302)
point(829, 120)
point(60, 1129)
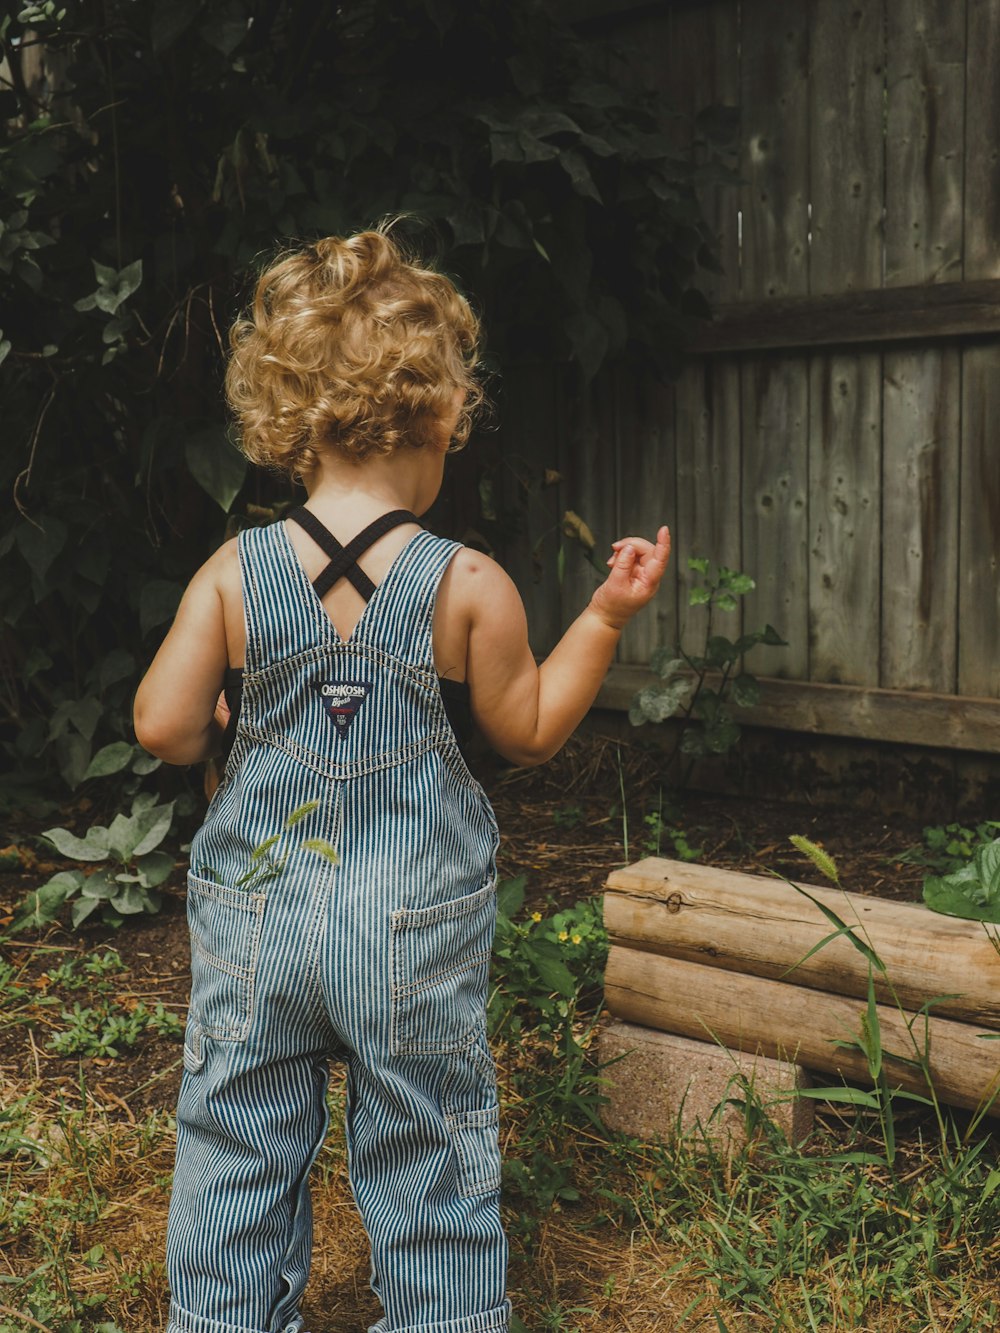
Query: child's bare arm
point(527, 712)
point(175, 706)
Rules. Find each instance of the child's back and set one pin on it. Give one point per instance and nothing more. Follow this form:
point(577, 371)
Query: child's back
point(377, 953)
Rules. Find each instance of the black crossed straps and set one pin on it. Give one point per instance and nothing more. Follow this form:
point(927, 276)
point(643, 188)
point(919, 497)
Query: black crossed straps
point(344, 559)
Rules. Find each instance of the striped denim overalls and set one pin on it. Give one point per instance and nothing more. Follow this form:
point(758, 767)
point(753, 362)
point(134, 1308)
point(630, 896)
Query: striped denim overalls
point(380, 958)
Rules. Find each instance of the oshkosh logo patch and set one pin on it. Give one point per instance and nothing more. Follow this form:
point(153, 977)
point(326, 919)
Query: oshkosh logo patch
point(342, 701)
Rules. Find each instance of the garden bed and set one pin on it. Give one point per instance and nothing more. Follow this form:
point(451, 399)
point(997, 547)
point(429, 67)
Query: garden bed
point(595, 1226)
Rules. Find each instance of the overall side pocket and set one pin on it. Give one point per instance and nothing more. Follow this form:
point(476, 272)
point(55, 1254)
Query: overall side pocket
point(225, 927)
point(472, 1115)
point(440, 973)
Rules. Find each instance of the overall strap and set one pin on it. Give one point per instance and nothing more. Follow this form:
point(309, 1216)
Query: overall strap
point(344, 559)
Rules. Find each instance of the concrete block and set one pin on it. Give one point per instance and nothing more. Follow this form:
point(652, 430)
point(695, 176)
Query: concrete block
point(660, 1085)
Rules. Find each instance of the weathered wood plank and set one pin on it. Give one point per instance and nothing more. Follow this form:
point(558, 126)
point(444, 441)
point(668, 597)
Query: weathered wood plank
point(982, 143)
point(751, 1013)
point(979, 524)
point(979, 518)
point(905, 717)
point(895, 314)
point(749, 923)
point(646, 447)
point(925, 86)
point(702, 70)
point(530, 449)
point(775, 405)
point(775, 149)
point(708, 479)
point(589, 468)
point(845, 429)
point(846, 145)
point(920, 521)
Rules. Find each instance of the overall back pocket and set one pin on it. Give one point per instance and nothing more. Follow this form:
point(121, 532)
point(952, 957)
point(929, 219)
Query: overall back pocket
point(440, 973)
point(225, 929)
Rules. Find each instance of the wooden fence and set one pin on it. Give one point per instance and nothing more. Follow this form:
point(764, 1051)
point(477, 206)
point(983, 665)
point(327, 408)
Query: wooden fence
point(835, 431)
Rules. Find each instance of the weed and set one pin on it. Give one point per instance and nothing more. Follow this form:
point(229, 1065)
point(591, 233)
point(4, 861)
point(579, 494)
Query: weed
point(129, 869)
point(708, 724)
point(948, 847)
point(106, 1030)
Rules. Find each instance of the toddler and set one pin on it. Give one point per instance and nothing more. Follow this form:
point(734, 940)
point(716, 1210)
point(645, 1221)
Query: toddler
point(352, 644)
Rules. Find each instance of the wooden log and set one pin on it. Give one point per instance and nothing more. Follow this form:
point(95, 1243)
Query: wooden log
point(762, 926)
point(906, 717)
point(752, 1014)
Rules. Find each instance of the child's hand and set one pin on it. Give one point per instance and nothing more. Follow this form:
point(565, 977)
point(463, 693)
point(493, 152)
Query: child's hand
point(636, 569)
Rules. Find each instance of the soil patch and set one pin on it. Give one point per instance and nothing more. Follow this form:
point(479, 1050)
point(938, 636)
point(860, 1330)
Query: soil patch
point(564, 826)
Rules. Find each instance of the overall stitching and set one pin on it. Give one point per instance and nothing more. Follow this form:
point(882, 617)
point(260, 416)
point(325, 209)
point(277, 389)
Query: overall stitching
point(380, 960)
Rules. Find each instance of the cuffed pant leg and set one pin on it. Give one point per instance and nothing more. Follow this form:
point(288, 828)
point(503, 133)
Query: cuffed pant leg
point(424, 1163)
point(239, 1233)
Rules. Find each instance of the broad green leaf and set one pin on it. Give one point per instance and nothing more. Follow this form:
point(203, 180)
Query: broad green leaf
point(72, 757)
point(665, 662)
point(145, 763)
point(158, 603)
point(42, 905)
point(699, 564)
point(123, 834)
point(93, 847)
point(99, 886)
point(117, 665)
point(171, 18)
point(131, 900)
point(699, 596)
point(510, 896)
point(82, 908)
point(724, 601)
point(225, 27)
point(216, 465)
point(40, 542)
point(746, 691)
point(773, 638)
point(154, 825)
point(154, 868)
point(109, 759)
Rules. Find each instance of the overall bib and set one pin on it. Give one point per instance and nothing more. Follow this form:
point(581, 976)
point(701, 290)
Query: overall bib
point(379, 958)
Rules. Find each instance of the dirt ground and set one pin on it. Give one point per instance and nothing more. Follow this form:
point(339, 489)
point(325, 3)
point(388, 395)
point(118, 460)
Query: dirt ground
point(564, 826)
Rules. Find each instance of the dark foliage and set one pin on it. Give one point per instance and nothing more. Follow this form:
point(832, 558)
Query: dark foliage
point(151, 151)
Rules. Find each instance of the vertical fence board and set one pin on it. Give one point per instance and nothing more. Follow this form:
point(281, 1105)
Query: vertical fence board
point(982, 141)
point(647, 497)
point(846, 145)
point(845, 397)
point(775, 390)
point(708, 474)
point(979, 556)
point(920, 501)
point(925, 75)
point(845, 411)
point(775, 405)
point(925, 81)
point(530, 447)
point(589, 468)
point(979, 523)
point(775, 148)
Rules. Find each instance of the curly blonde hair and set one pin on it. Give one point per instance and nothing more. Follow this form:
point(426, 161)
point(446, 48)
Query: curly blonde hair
point(350, 344)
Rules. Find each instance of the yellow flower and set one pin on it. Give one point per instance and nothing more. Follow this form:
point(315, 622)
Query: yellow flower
point(563, 936)
point(576, 939)
point(536, 916)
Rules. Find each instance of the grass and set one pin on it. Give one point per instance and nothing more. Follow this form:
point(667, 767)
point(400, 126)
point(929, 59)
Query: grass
point(607, 1233)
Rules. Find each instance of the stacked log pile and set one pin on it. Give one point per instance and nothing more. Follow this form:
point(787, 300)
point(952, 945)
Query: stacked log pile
point(719, 955)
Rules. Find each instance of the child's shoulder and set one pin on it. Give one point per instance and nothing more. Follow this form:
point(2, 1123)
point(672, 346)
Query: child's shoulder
point(480, 583)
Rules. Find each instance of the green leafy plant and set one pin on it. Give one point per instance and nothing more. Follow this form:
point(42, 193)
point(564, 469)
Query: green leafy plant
point(703, 689)
point(128, 869)
point(266, 863)
point(107, 1030)
point(948, 847)
point(183, 141)
point(972, 891)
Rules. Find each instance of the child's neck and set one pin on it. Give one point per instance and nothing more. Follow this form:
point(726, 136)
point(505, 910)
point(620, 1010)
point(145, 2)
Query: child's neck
point(357, 493)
